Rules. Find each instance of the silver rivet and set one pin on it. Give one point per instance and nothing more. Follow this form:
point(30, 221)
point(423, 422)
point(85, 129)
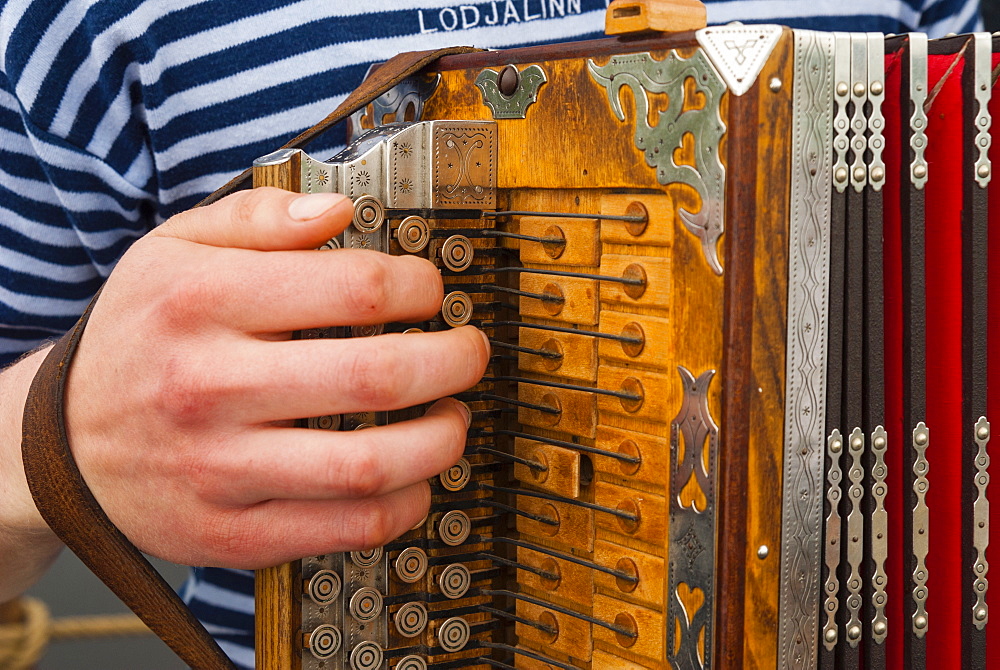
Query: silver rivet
point(836, 446)
point(920, 438)
point(980, 614)
point(877, 174)
point(762, 552)
point(982, 432)
point(920, 171)
point(842, 88)
point(857, 443)
point(841, 174)
point(859, 89)
point(830, 635)
point(859, 174)
point(854, 632)
point(983, 171)
point(774, 84)
point(920, 622)
point(879, 443)
point(879, 628)
point(876, 88)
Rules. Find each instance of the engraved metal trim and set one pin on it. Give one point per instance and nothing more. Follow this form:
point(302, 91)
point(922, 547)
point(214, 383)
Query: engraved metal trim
point(859, 124)
point(981, 524)
point(876, 120)
point(921, 439)
point(404, 101)
point(855, 531)
point(805, 385)
point(841, 96)
point(982, 46)
point(453, 634)
point(834, 475)
point(879, 533)
point(691, 561)
point(739, 52)
point(918, 98)
point(643, 74)
point(515, 105)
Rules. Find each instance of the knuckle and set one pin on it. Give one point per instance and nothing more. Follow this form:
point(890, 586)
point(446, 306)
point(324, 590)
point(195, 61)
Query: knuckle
point(358, 476)
point(251, 204)
point(228, 538)
point(369, 376)
point(182, 393)
point(372, 524)
point(367, 286)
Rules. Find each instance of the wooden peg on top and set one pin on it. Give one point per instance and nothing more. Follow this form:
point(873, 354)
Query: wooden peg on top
point(668, 16)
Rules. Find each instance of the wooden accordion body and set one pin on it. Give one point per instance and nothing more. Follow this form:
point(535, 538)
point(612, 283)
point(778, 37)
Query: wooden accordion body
point(738, 285)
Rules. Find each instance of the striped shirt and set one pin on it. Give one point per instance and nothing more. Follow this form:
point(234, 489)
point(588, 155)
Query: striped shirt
point(116, 114)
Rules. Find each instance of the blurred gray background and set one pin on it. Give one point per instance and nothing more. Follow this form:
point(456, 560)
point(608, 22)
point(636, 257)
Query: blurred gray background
point(69, 589)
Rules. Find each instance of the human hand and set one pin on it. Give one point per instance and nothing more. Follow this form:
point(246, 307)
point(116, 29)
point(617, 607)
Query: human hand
point(180, 401)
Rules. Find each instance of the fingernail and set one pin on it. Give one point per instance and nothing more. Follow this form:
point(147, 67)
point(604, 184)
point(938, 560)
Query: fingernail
point(314, 205)
point(466, 411)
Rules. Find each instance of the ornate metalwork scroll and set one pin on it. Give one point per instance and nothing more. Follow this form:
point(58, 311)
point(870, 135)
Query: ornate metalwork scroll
point(691, 560)
point(981, 524)
point(643, 74)
point(523, 93)
point(739, 51)
point(805, 382)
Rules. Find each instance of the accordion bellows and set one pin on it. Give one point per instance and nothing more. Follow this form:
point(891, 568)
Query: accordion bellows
point(740, 293)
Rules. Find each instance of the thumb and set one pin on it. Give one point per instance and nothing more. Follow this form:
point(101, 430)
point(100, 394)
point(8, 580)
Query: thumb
point(265, 219)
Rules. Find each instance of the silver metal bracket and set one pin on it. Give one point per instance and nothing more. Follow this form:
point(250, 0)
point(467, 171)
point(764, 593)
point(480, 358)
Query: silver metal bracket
point(981, 524)
point(918, 118)
point(834, 476)
point(879, 533)
point(921, 543)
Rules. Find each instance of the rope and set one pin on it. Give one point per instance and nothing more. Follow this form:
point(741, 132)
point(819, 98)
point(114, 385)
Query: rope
point(22, 644)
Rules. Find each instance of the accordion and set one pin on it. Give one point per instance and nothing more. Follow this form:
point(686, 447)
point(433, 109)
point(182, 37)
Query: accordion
point(739, 283)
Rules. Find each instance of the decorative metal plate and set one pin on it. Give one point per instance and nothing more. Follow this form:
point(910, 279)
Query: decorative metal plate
point(515, 105)
point(403, 102)
point(739, 52)
point(464, 165)
point(805, 381)
point(691, 560)
point(643, 74)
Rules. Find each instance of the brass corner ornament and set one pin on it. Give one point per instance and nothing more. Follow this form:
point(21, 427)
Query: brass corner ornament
point(643, 74)
point(509, 92)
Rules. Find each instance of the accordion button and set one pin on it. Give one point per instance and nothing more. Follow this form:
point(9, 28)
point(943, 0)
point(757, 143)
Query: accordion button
point(413, 234)
point(366, 604)
point(411, 619)
point(324, 587)
point(457, 476)
point(411, 564)
point(455, 581)
point(366, 559)
point(412, 662)
point(457, 253)
point(453, 634)
point(324, 641)
point(454, 528)
point(366, 656)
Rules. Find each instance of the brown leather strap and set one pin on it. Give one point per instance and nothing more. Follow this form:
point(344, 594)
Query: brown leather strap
point(68, 506)
point(390, 73)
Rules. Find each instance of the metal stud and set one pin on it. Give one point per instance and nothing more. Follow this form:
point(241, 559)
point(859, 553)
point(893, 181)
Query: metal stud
point(842, 88)
point(774, 84)
point(762, 552)
point(876, 88)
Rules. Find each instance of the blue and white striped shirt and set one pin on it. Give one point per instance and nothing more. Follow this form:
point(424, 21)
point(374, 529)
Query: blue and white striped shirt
point(116, 114)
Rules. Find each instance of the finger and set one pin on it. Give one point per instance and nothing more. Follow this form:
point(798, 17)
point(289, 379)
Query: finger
point(265, 219)
point(297, 463)
point(278, 531)
point(273, 381)
point(278, 292)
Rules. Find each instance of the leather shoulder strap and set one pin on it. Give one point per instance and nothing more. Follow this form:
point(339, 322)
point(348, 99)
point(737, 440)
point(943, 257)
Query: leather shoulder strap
point(390, 73)
point(69, 507)
point(59, 490)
